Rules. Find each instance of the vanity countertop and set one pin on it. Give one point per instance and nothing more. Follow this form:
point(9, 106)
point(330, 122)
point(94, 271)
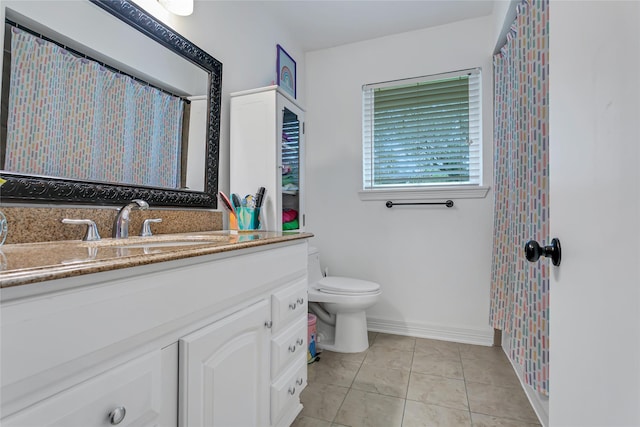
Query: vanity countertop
point(22, 264)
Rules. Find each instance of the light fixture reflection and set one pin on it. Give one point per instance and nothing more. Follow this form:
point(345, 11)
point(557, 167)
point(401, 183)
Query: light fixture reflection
point(178, 7)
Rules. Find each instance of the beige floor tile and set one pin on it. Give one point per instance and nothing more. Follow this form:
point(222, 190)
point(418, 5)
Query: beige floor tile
point(493, 354)
point(390, 382)
point(322, 401)
point(388, 358)
point(362, 409)
point(302, 421)
point(496, 372)
point(501, 402)
point(437, 390)
point(431, 365)
point(351, 357)
point(417, 414)
point(442, 381)
point(480, 420)
point(332, 371)
point(397, 342)
point(435, 348)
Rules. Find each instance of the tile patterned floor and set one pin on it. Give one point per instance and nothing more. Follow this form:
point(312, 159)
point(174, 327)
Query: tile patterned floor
point(409, 382)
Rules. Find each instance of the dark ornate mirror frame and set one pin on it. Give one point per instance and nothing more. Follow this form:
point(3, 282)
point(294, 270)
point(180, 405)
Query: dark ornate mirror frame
point(25, 188)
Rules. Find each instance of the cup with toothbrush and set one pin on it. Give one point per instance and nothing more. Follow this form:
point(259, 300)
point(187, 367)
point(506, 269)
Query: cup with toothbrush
point(233, 219)
point(247, 209)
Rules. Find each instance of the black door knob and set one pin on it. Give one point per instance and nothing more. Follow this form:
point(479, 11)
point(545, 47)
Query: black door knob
point(533, 251)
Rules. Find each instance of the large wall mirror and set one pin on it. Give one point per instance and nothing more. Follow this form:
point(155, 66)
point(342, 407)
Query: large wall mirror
point(119, 36)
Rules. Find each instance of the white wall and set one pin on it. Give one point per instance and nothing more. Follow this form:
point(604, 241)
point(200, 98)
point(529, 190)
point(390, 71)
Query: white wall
point(433, 263)
point(243, 37)
point(504, 13)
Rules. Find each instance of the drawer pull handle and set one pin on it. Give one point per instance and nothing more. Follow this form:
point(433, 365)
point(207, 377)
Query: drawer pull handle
point(117, 415)
point(268, 324)
point(300, 341)
point(300, 301)
point(292, 391)
point(292, 348)
point(299, 381)
point(292, 306)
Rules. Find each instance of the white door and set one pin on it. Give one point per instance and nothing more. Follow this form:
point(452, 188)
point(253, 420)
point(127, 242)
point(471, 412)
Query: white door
point(224, 371)
point(594, 211)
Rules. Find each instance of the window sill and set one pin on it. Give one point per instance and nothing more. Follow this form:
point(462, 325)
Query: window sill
point(431, 193)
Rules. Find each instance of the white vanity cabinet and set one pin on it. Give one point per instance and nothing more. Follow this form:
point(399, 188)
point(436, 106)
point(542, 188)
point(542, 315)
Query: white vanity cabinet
point(267, 150)
point(202, 341)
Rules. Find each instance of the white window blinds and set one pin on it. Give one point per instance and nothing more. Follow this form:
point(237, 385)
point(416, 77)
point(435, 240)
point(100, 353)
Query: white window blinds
point(423, 131)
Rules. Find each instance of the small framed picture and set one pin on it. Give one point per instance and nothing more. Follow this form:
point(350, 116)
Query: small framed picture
point(286, 72)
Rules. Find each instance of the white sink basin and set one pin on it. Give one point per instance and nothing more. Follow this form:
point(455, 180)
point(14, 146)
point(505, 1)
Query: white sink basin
point(165, 244)
point(161, 240)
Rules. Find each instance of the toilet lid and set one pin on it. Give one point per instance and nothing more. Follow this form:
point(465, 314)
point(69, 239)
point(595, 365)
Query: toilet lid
point(346, 286)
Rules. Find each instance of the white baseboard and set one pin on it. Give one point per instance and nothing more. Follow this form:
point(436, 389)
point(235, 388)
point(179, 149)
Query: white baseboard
point(482, 336)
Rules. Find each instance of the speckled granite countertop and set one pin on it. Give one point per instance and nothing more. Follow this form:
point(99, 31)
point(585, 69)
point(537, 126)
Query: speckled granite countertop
point(21, 264)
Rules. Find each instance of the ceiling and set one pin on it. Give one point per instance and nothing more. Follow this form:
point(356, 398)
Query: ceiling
point(322, 24)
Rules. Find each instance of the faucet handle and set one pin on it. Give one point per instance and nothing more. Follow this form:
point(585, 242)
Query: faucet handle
point(146, 226)
point(141, 203)
point(92, 230)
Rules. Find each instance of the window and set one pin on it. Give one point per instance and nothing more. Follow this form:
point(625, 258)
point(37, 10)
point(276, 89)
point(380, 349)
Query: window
point(422, 132)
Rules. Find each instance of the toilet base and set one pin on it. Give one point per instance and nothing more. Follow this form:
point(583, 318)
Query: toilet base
point(351, 336)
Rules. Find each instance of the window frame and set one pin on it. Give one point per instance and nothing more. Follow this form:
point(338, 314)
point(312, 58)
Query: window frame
point(427, 190)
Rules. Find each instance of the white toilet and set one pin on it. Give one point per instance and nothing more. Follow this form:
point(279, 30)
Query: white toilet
point(339, 304)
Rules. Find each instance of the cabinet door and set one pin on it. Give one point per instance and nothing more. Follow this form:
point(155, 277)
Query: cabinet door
point(224, 372)
point(290, 122)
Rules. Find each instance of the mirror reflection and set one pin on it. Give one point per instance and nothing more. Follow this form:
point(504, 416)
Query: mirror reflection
point(72, 117)
point(79, 106)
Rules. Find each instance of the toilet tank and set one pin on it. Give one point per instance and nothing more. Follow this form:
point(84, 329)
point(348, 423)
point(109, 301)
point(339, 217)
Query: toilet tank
point(313, 266)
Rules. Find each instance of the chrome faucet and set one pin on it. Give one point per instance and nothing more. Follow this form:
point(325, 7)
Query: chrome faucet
point(121, 224)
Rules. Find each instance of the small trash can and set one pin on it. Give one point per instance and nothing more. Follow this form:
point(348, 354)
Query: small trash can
point(311, 337)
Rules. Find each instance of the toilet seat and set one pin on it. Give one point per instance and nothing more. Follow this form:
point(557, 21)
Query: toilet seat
point(347, 286)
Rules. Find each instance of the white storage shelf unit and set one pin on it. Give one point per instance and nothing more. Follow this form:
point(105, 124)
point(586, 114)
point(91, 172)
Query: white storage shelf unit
point(267, 150)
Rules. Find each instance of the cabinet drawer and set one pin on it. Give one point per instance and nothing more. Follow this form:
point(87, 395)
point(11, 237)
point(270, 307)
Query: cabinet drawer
point(288, 346)
point(288, 304)
point(132, 391)
point(286, 390)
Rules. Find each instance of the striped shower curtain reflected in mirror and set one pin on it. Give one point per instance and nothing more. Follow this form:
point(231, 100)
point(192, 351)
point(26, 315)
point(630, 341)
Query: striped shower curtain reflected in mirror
point(70, 117)
point(519, 289)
